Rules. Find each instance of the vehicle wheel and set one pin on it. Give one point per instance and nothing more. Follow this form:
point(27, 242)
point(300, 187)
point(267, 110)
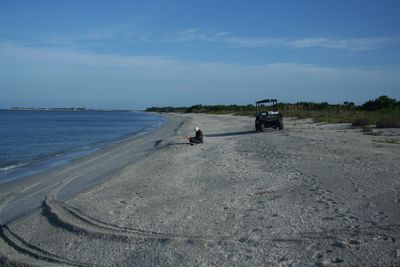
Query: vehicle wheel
point(280, 124)
point(262, 127)
point(257, 127)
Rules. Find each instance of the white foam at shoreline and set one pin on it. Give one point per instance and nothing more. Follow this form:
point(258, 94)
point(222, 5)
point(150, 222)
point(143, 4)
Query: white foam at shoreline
point(10, 167)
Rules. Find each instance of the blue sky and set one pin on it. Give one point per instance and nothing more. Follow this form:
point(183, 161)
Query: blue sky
point(136, 54)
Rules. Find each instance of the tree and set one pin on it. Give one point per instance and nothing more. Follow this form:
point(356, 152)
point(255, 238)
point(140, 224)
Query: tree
point(382, 102)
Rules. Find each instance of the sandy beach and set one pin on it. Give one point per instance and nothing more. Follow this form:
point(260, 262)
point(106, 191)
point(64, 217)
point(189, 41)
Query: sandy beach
point(311, 194)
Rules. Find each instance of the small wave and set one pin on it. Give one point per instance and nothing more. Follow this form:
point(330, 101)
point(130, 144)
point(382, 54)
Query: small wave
point(59, 154)
point(10, 167)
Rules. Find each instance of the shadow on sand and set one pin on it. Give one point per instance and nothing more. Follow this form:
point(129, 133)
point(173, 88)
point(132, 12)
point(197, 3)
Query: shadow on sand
point(176, 144)
point(157, 144)
point(229, 134)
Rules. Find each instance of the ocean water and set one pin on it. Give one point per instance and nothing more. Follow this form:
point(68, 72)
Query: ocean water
point(34, 141)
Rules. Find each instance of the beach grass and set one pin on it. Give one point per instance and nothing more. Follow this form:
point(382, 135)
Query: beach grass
point(383, 112)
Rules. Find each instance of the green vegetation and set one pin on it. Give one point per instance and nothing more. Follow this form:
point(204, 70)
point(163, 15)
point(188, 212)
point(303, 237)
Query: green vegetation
point(215, 109)
point(388, 141)
point(384, 112)
point(389, 122)
point(361, 122)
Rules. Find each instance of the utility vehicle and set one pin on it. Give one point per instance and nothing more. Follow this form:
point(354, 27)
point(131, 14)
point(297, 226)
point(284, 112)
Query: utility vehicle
point(267, 115)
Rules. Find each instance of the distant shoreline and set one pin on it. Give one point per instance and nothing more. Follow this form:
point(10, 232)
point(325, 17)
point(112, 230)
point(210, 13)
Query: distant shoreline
point(75, 109)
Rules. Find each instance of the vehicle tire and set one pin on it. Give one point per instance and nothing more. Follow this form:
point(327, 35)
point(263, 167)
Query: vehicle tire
point(262, 127)
point(257, 124)
point(280, 124)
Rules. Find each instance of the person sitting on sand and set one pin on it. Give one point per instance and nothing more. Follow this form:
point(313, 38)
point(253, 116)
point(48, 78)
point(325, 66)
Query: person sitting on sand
point(197, 139)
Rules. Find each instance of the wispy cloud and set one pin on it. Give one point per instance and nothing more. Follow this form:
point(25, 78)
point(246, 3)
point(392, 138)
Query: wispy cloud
point(141, 77)
point(195, 34)
point(351, 44)
point(116, 33)
point(129, 33)
point(73, 39)
point(76, 57)
point(344, 44)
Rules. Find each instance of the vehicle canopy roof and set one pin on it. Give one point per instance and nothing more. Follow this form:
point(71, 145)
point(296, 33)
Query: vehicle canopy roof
point(266, 101)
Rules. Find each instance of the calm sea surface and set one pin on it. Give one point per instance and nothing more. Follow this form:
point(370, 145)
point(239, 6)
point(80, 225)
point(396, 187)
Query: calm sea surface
point(34, 141)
